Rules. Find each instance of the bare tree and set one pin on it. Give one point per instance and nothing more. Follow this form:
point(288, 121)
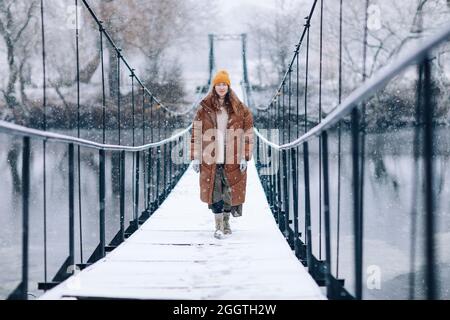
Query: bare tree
point(15, 18)
point(274, 32)
point(150, 27)
point(397, 24)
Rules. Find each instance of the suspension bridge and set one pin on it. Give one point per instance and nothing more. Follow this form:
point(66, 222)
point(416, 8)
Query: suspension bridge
point(302, 235)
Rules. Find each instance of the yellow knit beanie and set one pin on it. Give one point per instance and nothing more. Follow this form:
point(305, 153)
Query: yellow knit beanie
point(222, 76)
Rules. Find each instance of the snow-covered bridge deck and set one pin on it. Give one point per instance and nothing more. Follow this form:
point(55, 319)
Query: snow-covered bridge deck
point(175, 256)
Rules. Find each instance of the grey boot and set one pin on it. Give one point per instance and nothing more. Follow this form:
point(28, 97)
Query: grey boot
point(226, 223)
point(219, 225)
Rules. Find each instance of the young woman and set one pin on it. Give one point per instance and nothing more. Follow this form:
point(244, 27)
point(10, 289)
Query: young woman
point(221, 145)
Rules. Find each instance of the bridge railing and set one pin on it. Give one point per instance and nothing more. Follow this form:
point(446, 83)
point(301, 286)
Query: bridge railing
point(147, 175)
point(85, 189)
point(360, 196)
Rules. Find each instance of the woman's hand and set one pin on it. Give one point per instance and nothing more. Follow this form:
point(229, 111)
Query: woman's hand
point(243, 165)
point(196, 165)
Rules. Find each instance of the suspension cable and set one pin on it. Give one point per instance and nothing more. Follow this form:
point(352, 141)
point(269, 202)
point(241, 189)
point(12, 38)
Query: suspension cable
point(286, 74)
point(103, 85)
point(144, 158)
point(77, 36)
point(122, 58)
point(339, 144)
point(44, 145)
point(374, 83)
point(362, 163)
point(306, 76)
point(151, 178)
point(118, 94)
point(297, 95)
point(133, 176)
point(320, 120)
point(305, 30)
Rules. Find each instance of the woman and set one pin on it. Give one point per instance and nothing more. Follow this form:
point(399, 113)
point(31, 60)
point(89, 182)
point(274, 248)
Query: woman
point(221, 145)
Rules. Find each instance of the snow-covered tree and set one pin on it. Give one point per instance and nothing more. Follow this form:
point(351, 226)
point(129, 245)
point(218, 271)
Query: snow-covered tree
point(16, 20)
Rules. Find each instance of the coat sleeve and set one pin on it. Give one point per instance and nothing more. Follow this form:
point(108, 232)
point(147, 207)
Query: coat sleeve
point(248, 134)
point(196, 136)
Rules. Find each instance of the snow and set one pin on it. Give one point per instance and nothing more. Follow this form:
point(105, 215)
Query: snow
point(175, 256)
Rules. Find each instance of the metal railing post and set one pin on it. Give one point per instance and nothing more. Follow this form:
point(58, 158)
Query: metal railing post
point(428, 151)
point(295, 200)
point(136, 195)
point(71, 260)
point(279, 199)
point(122, 195)
point(149, 180)
point(102, 192)
point(21, 292)
point(165, 170)
point(356, 203)
point(25, 214)
point(158, 171)
point(258, 161)
point(308, 235)
point(326, 212)
point(286, 196)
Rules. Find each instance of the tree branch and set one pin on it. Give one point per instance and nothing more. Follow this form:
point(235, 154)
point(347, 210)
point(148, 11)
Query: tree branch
point(29, 14)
